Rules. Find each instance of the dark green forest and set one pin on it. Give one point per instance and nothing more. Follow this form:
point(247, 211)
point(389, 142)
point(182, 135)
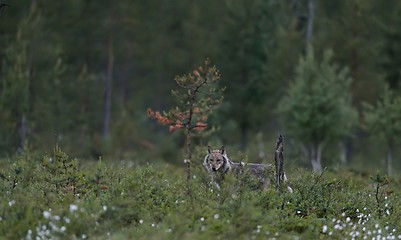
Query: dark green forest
point(81, 74)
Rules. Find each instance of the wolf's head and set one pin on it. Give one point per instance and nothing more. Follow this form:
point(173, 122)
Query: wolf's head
point(216, 160)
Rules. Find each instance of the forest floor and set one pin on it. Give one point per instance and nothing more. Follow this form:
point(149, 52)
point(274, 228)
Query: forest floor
point(55, 197)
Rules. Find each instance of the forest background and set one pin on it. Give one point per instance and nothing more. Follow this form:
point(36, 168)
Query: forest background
point(81, 74)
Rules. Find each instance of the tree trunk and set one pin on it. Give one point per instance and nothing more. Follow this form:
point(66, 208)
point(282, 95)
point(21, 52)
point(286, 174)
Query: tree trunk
point(343, 152)
point(316, 157)
point(22, 133)
point(189, 158)
point(279, 160)
point(109, 78)
point(309, 29)
point(389, 161)
point(243, 137)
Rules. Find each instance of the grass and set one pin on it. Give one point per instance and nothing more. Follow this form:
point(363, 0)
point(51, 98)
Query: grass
point(55, 197)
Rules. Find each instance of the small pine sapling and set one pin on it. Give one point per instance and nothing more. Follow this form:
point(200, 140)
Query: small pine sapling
point(197, 95)
point(381, 182)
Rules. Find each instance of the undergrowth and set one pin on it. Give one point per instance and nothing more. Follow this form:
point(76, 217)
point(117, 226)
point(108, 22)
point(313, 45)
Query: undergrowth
point(59, 197)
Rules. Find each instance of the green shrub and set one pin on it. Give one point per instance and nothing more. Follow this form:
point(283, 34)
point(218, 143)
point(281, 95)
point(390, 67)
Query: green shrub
point(115, 200)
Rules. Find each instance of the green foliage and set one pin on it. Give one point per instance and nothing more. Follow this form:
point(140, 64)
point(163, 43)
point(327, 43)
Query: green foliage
point(246, 43)
point(59, 50)
point(383, 120)
point(390, 59)
point(136, 202)
point(62, 172)
point(317, 107)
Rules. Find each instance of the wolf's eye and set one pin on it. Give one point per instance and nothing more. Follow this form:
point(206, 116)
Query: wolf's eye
point(219, 161)
point(211, 160)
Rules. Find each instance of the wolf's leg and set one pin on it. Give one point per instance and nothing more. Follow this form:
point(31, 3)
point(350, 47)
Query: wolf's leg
point(266, 184)
point(215, 183)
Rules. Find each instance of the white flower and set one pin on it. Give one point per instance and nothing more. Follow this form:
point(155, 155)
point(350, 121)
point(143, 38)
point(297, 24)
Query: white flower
point(202, 219)
point(141, 221)
point(216, 216)
point(57, 218)
point(10, 203)
point(104, 208)
point(47, 214)
point(153, 225)
point(73, 208)
point(324, 230)
point(348, 219)
point(63, 228)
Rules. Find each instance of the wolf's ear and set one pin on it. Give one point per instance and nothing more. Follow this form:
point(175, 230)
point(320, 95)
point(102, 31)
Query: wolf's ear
point(209, 149)
point(222, 150)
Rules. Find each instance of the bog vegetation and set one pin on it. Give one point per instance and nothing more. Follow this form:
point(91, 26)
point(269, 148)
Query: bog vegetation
point(58, 197)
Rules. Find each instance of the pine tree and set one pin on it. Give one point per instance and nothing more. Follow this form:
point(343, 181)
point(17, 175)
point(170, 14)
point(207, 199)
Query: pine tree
point(317, 108)
point(383, 122)
point(197, 95)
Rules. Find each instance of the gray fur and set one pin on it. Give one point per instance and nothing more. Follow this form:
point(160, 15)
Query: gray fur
point(263, 173)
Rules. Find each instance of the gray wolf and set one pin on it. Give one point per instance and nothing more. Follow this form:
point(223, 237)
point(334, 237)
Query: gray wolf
point(218, 165)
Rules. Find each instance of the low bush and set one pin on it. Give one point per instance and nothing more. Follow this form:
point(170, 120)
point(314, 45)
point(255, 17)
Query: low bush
point(58, 197)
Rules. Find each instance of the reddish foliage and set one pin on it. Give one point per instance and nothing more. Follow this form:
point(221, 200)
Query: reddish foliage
point(177, 125)
point(200, 126)
point(196, 110)
point(179, 118)
point(158, 116)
